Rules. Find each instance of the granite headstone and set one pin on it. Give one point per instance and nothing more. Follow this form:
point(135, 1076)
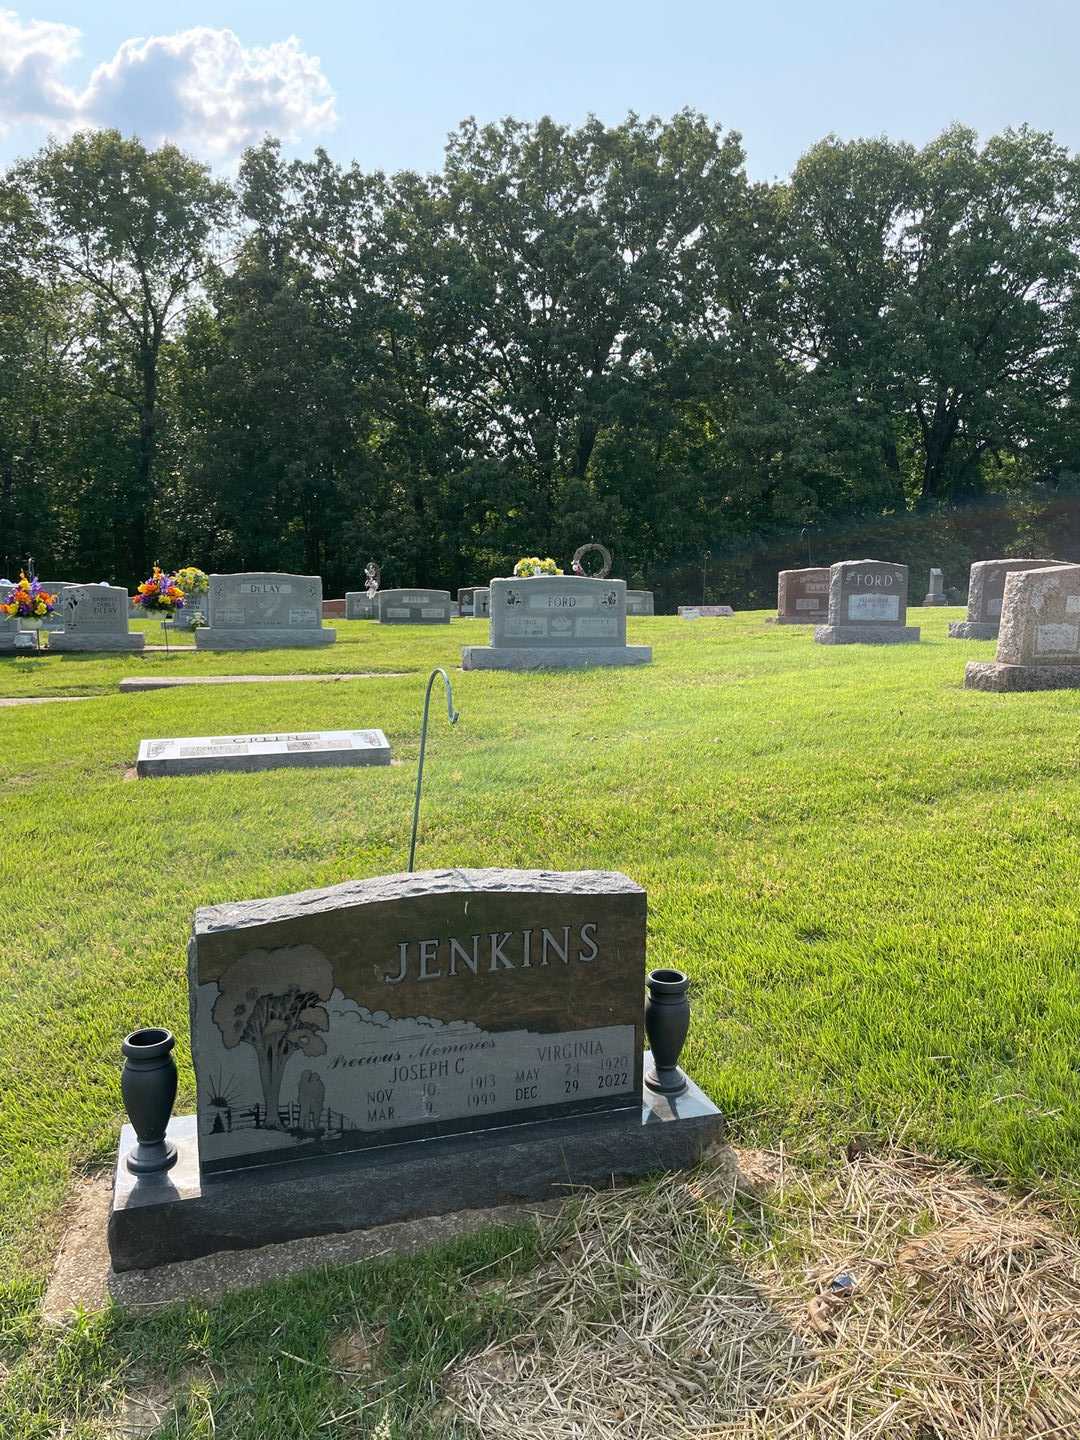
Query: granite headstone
point(640, 602)
point(986, 591)
point(413, 607)
point(867, 605)
point(935, 595)
point(802, 596)
point(204, 754)
point(404, 1046)
point(556, 622)
point(264, 610)
point(706, 612)
point(1039, 641)
point(359, 605)
point(95, 617)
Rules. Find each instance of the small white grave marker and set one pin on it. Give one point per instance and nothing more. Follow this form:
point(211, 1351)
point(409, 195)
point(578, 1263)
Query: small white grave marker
point(198, 755)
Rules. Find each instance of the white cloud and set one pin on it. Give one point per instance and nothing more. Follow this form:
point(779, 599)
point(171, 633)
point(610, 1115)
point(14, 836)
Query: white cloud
point(201, 88)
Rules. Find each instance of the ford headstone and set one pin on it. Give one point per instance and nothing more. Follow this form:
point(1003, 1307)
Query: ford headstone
point(867, 605)
point(556, 622)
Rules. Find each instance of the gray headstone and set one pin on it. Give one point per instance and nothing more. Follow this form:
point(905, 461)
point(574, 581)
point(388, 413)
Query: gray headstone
point(935, 595)
point(359, 605)
point(416, 606)
point(425, 1004)
point(481, 606)
point(986, 591)
point(561, 621)
point(264, 610)
point(57, 588)
point(802, 596)
point(867, 605)
point(639, 602)
point(1039, 641)
point(199, 755)
point(95, 617)
point(706, 612)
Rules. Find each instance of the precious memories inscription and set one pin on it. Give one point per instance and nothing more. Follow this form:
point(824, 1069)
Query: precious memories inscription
point(414, 1005)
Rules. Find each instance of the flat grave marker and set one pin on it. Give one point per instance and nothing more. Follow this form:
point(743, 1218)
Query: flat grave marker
point(204, 754)
point(556, 622)
point(867, 605)
point(263, 610)
point(706, 612)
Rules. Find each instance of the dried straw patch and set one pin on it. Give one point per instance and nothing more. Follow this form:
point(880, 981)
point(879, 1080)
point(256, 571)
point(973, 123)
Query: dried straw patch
point(683, 1309)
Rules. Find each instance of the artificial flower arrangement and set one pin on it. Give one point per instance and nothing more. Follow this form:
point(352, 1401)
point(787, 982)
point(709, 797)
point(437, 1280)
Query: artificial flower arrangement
point(160, 592)
point(28, 600)
point(533, 565)
point(192, 581)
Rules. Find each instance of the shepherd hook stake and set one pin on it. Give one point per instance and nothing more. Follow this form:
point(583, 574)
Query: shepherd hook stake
point(453, 716)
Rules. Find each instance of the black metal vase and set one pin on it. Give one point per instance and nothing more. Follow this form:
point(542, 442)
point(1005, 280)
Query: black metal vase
point(667, 1019)
point(148, 1085)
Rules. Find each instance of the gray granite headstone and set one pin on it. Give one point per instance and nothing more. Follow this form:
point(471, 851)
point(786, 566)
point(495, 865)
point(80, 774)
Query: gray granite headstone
point(55, 621)
point(414, 607)
point(359, 605)
point(1039, 642)
point(556, 621)
point(935, 595)
point(95, 617)
point(986, 591)
point(9, 630)
point(802, 596)
point(264, 610)
point(867, 605)
point(640, 602)
point(482, 602)
point(203, 754)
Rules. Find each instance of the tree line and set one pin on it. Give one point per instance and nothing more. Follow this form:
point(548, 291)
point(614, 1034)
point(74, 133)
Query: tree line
point(566, 334)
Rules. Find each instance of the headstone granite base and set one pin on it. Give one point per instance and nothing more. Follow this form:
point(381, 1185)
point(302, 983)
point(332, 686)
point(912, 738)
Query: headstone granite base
point(63, 641)
point(174, 1215)
point(262, 637)
point(201, 755)
point(488, 657)
point(973, 630)
point(866, 635)
point(995, 676)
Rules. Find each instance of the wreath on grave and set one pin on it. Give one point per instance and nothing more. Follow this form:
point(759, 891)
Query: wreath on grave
point(28, 600)
point(160, 592)
point(605, 560)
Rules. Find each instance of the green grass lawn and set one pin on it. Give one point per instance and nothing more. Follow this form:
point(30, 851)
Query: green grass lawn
point(871, 874)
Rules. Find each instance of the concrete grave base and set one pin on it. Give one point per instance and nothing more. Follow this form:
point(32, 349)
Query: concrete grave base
point(157, 1219)
point(973, 630)
point(992, 675)
point(201, 755)
point(488, 657)
point(263, 637)
point(866, 634)
point(60, 642)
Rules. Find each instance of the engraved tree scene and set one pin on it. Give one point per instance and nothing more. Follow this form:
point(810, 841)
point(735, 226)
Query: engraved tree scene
point(279, 1021)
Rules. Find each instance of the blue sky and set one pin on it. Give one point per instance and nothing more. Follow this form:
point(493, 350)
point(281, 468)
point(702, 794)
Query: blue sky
point(383, 83)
